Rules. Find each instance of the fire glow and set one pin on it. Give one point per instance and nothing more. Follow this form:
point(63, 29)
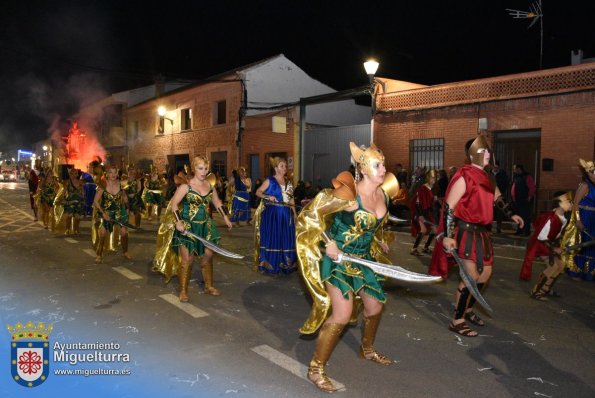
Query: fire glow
point(81, 148)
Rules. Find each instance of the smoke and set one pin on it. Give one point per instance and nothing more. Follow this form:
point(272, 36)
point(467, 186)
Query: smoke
point(62, 102)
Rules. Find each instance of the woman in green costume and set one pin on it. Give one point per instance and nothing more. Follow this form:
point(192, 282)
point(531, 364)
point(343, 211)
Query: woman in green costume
point(348, 219)
point(189, 207)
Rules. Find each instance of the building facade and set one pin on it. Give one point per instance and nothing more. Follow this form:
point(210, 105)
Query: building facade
point(544, 120)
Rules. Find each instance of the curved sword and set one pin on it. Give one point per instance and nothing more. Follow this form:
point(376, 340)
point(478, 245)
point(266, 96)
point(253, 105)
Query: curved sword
point(391, 271)
point(396, 219)
point(470, 282)
point(212, 246)
point(122, 224)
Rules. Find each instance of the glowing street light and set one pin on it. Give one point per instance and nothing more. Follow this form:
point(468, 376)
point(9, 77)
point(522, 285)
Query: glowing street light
point(371, 66)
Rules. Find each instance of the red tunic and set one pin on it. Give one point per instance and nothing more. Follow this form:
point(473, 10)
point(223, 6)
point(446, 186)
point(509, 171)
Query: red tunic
point(476, 206)
point(536, 248)
point(426, 199)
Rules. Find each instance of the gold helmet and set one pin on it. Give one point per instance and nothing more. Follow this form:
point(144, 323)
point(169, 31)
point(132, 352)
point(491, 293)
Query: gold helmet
point(589, 166)
point(476, 152)
point(365, 157)
point(431, 174)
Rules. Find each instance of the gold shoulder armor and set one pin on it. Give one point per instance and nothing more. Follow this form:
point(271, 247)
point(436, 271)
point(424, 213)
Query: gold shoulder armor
point(212, 179)
point(344, 186)
point(391, 186)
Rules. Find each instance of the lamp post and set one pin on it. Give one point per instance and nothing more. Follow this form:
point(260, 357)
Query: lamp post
point(371, 66)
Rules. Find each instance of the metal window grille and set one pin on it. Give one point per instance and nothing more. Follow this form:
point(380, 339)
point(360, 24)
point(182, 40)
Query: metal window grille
point(428, 153)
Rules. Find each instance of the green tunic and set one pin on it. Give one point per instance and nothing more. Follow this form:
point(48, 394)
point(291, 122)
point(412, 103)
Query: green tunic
point(353, 231)
point(113, 206)
point(74, 202)
point(135, 200)
point(194, 213)
point(48, 194)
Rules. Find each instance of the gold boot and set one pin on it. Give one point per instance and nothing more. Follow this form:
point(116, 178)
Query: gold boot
point(125, 247)
point(99, 250)
point(327, 340)
point(367, 350)
point(207, 274)
point(184, 272)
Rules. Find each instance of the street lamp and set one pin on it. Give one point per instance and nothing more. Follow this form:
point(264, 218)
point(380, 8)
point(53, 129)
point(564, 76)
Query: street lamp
point(371, 66)
point(161, 111)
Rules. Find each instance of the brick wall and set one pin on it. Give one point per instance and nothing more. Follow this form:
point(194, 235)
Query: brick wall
point(566, 122)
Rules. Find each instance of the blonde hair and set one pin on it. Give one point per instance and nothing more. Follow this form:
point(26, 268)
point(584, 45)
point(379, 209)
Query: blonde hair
point(276, 160)
point(198, 159)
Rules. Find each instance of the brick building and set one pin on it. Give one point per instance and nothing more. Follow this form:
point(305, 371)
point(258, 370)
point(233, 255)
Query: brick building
point(544, 120)
point(239, 117)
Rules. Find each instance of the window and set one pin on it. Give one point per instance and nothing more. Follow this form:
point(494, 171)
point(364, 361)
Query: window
point(186, 116)
point(428, 153)
point(220, 113)
point(219, 163)
point(135, 130)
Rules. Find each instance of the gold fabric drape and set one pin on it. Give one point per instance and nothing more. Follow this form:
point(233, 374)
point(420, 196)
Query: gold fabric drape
point(571, 236)
point(166, 260)
point(256, 222)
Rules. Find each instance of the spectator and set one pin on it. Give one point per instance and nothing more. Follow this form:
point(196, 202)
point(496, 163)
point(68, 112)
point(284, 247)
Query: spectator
point(523, 191)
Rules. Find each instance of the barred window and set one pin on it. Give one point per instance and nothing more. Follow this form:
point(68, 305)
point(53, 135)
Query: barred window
point(428, 153)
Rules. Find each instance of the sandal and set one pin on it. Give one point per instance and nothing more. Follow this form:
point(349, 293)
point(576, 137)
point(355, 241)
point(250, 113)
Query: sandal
point(474, 318)
point(414, 252)
point(462, 329)
point(426, 250)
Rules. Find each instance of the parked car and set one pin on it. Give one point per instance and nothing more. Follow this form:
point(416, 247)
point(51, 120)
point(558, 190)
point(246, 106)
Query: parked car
point(8, 176)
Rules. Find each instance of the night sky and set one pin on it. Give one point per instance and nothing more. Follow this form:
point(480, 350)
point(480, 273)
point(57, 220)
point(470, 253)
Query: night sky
point(59, 55)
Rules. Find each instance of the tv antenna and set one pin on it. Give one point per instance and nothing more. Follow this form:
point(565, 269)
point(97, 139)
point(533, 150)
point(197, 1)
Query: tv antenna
point(536, 14)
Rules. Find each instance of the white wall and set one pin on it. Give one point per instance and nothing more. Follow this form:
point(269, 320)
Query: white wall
point(279, 81)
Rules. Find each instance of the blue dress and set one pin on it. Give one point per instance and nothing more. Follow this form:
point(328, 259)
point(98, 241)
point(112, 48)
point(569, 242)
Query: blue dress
point(240, 205)
point(585, 259)
point(277, 234)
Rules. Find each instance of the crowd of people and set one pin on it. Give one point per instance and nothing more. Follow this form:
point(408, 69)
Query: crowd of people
point(313, 229)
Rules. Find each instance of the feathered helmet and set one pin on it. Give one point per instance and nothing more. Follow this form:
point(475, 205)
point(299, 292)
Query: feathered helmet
point(589, 166)
point(365, 157)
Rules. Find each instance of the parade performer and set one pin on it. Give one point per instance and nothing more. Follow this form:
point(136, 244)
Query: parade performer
point(74, 202)
point(240, 203)
point(153, 195)
point(49, 189)
point(110, 205)
point(466, 217)
point(349, 219)
point(275, 223)
point(33, 182)
point(92, 178)
point(582, 265)
point(133, 188)
point(422, 214)
point(544, 243)
point(188, 211)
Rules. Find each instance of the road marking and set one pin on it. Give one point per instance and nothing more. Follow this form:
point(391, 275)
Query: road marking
point(510, 258)
point(288, 363)
point(70, 240)
point(127, 273)
point(190, 309)
point(90, 252)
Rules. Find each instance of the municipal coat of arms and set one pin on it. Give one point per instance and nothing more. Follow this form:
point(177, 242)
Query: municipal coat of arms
point(30, 353)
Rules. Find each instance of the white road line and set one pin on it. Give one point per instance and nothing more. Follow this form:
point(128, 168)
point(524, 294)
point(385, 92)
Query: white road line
point(510, 258)
point(70, 240)
point(127, 273)
point(90, 252)
point(190, 309)
point(288, 363)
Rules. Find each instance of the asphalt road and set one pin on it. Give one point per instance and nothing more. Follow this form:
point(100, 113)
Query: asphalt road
point(245, 342)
